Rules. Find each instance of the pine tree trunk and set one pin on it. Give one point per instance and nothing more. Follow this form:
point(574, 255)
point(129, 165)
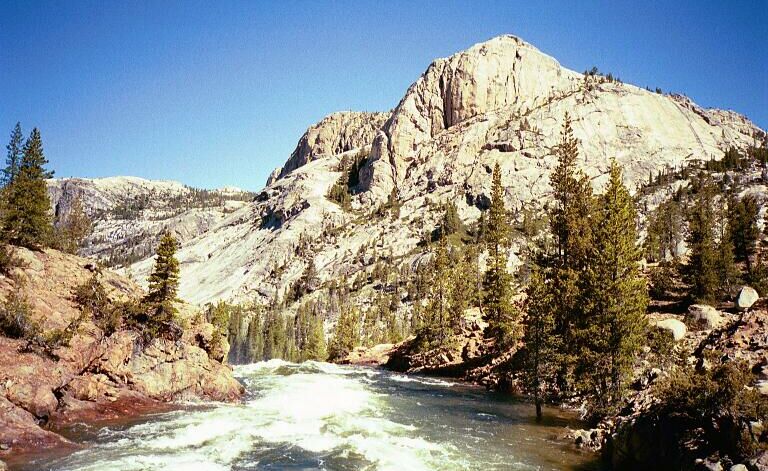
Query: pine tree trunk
point(539, 414)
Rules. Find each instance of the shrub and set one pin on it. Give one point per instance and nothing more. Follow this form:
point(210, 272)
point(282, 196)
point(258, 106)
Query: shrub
point(8, 261)
point(662, 281)
point(716, 409)
point(95, 304)
point(661, 343)
point(15, 320)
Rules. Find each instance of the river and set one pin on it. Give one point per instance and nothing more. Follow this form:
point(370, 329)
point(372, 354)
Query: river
point(323, 416)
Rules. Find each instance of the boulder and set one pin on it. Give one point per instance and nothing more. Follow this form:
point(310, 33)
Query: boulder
point(675, 327)
point(747, 297)
point(37, 399)
point(710, 465)
point(758, 462)
point(705, 317)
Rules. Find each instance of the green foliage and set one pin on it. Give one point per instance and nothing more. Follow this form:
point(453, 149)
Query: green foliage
point(701, 270)
point(219, 316)
point(742, 224)
point(15, 317)
point(70, 232)
point(613, 328)
point(586, 300)
point(26, 219)
point(661, 342)
point(497, 303)
point(541, 342)
point(342, 191)
point(14, 156)
point(339, 193)
point(309, 334)
point(346, 334)
point(732, 160)
point(571, 230)
point(437, 317)
point(8, 261)
point(16, 322)
point(95, 303)
point(164, 281)
point(665, 231)
point(714, 408)
point(451, 222)
point(662, 280)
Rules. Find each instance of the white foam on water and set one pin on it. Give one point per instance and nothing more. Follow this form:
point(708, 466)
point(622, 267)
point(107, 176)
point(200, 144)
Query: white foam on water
point(318, 407)
point(420, 380)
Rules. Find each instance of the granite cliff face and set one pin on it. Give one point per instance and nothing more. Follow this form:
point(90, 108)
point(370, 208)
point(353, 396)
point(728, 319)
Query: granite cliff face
point(334, 134)
point(130, 213)
point(499, 101)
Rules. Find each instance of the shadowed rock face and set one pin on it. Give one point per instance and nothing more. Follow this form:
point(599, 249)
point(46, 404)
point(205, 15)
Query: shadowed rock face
point(95, 373)
point(501, 101)
point(334, 134)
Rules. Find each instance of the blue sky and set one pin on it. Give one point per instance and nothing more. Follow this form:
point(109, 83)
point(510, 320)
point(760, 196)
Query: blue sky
point(218, 93)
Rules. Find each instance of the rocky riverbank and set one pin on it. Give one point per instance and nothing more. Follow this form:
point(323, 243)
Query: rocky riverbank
point(94, 375)
point(737, 332)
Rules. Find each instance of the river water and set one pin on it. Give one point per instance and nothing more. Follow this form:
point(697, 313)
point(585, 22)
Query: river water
point(323, 416)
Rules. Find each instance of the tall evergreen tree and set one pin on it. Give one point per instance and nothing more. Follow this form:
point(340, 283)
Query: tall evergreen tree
point(569, 219)
point(435, 328)
point(346, 333)
point(164, 280)
point(497, 302)
point(612, 331)
point(14, 156)
point(571, 229)
point(725, 266)
point(743, 214)
point(541, 342)
point(701, 269)
point(26, 217)
point(665, 231)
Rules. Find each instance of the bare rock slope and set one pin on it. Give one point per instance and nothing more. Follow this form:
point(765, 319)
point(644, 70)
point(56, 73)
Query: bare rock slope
point(499, 101)
point(130, 213)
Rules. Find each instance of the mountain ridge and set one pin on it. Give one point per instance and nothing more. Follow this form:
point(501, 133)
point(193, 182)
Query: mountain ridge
point(501, 101)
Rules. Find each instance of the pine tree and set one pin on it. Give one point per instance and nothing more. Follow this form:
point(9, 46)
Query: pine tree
point(701, 269)
point(497, 303)
point(164, 280)
point(725, 266)
point(310, 335)
point(571, 229)
point(743, 215)
point(26, 217)
point(14, 156)
point(541, 342)
point(569, 219)
point(73, 230)
point(665, 231)
point(611, 333)
point(464, 291)
point(451, 222)
point(434, 329)
point(346, 334)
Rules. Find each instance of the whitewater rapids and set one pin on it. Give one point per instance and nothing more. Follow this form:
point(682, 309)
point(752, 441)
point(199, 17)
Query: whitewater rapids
point(322, 416)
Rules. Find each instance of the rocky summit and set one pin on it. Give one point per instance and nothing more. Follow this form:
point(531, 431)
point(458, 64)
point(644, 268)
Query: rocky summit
point(501, 101)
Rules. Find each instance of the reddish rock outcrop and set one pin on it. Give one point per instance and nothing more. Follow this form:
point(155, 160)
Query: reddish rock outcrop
point(95, 375)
